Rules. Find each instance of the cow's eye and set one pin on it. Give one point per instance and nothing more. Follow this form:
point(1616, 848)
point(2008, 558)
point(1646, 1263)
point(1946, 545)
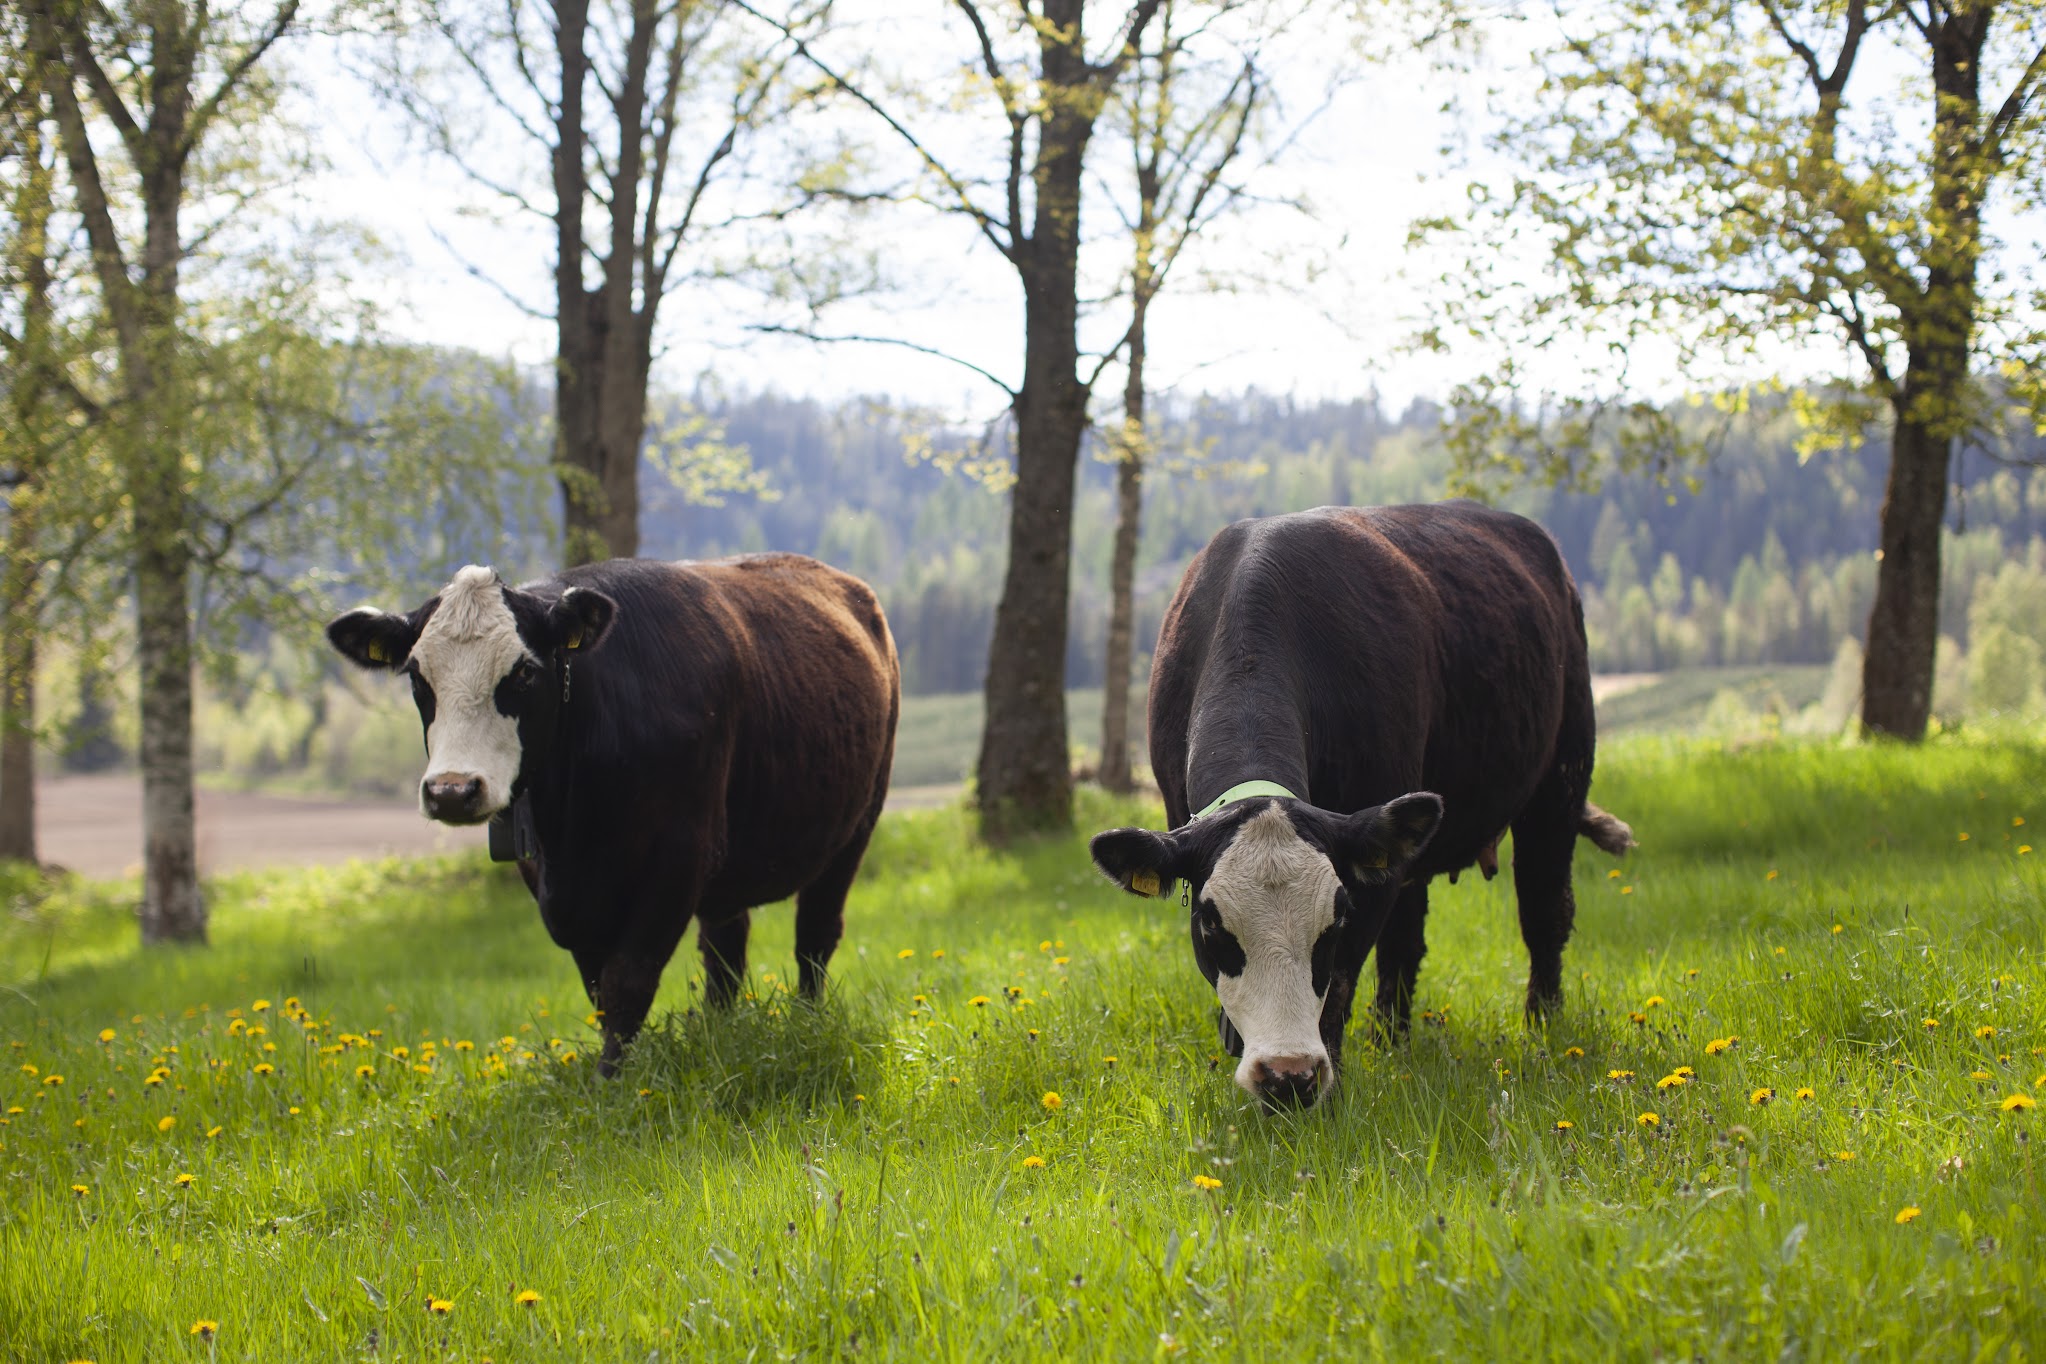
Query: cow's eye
point(525, 674)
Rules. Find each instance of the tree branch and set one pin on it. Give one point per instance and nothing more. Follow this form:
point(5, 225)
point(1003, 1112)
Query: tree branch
point(772, 329)
point(981, 218)
point(210, 106)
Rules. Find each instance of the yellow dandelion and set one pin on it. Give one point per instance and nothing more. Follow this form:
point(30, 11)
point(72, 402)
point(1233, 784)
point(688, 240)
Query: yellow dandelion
point(1906, 1214)
point(1930, 1023)
point(53, 1079)
point(1613, 875)
point(1807, 1092)
point(1637, 1017)
point(1619, 1075)
point(465, 1045)
point(1782, 951)
point(1564, 1125)
point(260, 1005)
point(1672, 1082)
point(1685, 1071)
point(1051, 1100)
point(440, 1307)
point(859, 1098)
point(1761, 1096)
point(2018, 1103)
point(213, 1132)
point(978, 1001)
point(363, 1072)
point(1986, 1030)
point(526, 1297)
point(905, 954)
point(2017, 821)
point(1772, 875)
point(1691, 974)
point(1569, 1052)
point(166, 1122)
point(265, 1068)
point(1033, 1162)
point(1649, 1120)
point(183, 1181)
point(1653, 1002)
point(2024, 848)
point(1978, 1075)
point(81, 1190)
point(107, 1034)
point(1108, 1060)
point(204, 1329)
point(1208, 1182)
point(1963, 838)
point(30, 1068)
point(1061, 961)
point(940, 952)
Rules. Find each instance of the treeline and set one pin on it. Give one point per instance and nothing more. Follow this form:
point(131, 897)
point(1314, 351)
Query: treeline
point(1760, 557)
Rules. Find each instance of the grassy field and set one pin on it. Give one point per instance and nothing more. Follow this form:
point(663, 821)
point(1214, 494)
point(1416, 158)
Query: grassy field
point(1005, 1137)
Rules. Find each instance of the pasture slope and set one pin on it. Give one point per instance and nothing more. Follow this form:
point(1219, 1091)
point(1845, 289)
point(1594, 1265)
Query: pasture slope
point(378, 1082)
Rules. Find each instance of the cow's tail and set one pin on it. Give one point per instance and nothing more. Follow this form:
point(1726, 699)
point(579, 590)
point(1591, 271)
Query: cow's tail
point(1610, 835)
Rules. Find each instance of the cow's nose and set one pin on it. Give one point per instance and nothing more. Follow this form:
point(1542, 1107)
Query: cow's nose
point(452, 796)
point(1288, 1081)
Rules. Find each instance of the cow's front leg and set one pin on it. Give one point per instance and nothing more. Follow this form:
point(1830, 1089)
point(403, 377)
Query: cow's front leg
point(625, 993)
point(723, 946)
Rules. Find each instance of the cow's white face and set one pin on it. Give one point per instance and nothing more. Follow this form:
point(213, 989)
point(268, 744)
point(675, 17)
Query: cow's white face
point(1271, 909)
point(1274, 919)
point(477, 654)
point(469, 652)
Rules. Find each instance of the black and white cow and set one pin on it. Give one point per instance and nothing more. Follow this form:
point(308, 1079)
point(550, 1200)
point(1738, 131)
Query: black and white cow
point(1346, 703)
point(668, 740)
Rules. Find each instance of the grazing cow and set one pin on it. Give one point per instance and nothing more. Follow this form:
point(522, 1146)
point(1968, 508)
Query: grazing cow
point(1345, 703)
point(661, 742)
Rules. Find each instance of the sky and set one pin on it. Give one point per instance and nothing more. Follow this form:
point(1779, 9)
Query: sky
point(1369, 162)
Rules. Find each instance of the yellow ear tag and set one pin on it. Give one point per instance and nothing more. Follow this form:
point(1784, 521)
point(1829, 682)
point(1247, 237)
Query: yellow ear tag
point(575, 641)
point(1376, 860)
point(377, 653)
point(1145, 883)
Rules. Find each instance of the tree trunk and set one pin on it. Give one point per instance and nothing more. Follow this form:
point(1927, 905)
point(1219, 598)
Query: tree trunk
point(18, 681)
point(1025, 779)
point(1931, 405)
point(1903, 628)
point(172, 908)
point(20, 580)
point(1115, 772)
point(603, 334)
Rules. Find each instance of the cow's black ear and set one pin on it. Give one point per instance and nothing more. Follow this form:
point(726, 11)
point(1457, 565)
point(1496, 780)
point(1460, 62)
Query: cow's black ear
point(371, 638)
point(579, 621)
point(1377, 844)
point(1138, 860)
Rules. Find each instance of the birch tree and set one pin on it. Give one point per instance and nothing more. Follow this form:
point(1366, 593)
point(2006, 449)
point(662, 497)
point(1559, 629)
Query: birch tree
point(1741, 182)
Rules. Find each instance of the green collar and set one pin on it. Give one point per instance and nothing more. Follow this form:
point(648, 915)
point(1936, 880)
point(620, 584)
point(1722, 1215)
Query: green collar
point(1244, 791)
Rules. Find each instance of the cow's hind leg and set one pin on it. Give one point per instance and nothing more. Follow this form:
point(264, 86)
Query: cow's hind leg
point(1401, 945)
point(820, 913)
point(1544, 842)
point(723, 946)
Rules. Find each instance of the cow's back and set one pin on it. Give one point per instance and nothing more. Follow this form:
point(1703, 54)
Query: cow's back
point(746, 705)
point(1425, 647)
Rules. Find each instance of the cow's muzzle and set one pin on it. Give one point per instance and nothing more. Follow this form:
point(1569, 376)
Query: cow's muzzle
point(1288, 1081)
point(453, 798)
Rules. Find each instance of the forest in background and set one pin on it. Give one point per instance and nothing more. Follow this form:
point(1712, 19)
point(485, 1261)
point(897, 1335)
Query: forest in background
point(1758, 560)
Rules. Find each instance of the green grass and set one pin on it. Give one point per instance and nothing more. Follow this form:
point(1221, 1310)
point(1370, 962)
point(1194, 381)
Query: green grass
point(850, 1181)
